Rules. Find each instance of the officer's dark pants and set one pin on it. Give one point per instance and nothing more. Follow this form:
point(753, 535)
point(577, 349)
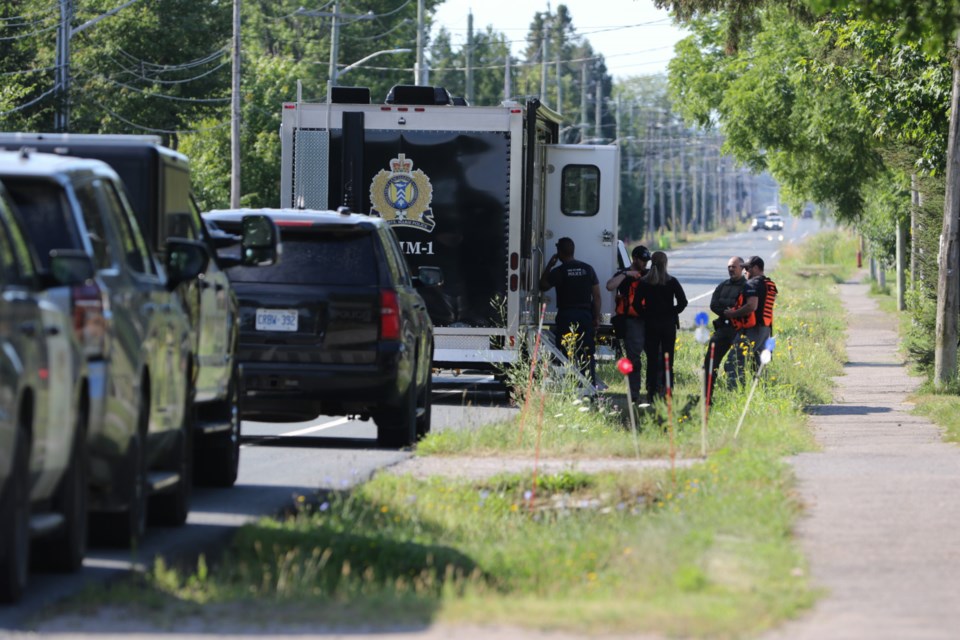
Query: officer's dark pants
point(634, 344)
point(660, 341)
point(580, 323)
point(722, 341)
point(746, 352)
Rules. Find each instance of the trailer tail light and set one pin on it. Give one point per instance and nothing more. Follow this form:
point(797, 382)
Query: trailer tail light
point(514, 260)
point(89, 320)
point(389, 315)
point(514, 282)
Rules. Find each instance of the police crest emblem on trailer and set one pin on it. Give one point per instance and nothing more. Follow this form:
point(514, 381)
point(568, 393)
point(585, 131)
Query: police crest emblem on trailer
point(402, 196)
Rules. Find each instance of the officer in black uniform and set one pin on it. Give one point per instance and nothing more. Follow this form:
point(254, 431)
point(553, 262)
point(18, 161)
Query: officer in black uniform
point(578, 303)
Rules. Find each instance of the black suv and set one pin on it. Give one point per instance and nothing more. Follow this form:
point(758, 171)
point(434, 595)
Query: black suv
point(336, 326)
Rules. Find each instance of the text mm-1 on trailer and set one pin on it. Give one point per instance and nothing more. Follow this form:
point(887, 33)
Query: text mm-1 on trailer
point(483, 193)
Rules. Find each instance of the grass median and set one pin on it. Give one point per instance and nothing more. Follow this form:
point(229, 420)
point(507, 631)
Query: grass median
point(700, 548)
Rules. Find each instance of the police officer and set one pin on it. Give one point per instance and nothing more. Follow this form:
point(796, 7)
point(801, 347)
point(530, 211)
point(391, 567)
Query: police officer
point(625, 282)
point(724, 334)
point(578, 303)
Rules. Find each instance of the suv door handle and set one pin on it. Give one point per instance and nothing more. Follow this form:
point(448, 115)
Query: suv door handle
point(28, 329)
point(52, 330)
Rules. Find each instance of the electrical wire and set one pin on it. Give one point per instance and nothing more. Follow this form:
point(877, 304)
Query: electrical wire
point(155, 130)
point(164, 68)
point(25, 71)
point(164, 96)
point(29, 35)
point(29, 104)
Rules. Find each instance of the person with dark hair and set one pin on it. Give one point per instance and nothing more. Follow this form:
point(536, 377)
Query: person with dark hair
point(724, 333)
point(660, 299)
point(578, 304)
point(752, 317)
point(628, 324)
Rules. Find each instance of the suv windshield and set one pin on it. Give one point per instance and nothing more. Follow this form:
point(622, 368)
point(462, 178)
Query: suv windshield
point(318, 256)
point(45, 215)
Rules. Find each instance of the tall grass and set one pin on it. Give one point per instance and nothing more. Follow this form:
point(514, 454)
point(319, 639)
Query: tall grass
point(699, 550)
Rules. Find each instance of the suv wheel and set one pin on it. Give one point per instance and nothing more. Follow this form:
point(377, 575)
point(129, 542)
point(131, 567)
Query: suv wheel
point(127, 528)
point(424, 405)
point(397, 426)
point(217, 459)
point(65, 550)
point(15, 524)
point(173, 507)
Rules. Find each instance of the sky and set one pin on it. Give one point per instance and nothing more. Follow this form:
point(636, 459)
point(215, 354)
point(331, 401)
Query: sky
point(634, 36)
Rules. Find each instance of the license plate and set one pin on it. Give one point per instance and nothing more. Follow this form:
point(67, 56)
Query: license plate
point(276, 320)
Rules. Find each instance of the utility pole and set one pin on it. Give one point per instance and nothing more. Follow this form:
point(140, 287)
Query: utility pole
point(420, 71)
point(334, 47)
point(507, 89)
point(559, 79)
point(62, 72)
point(598, 112)
point(469, 56)
point(544, 53)
point(235, 111)
point(583, 101)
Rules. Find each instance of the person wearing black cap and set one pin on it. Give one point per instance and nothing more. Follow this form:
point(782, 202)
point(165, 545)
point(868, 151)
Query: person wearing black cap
point(752, 316)
point(578, 304)
point(625, 282)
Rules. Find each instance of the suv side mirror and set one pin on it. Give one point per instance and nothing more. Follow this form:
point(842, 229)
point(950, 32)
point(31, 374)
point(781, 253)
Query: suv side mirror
point(185, 260)
point(260, 243)
point(70, 266)
point(429, 277)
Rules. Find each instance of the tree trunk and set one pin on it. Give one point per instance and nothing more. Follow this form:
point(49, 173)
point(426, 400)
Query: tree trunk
point(948, 300)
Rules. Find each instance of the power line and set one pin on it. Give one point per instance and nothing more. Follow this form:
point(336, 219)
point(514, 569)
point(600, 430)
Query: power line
point(25, 71)
point(155, 130)
point(164, 68)
point(43, 95)
point(164, 96)
point(29, 35)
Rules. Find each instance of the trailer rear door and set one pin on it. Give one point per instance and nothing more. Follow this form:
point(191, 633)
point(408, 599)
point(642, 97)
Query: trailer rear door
point(583, 189)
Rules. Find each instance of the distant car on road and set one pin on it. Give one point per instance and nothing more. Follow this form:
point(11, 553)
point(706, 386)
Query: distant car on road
point(336, 326)
point(758, 223)
point(773, 222)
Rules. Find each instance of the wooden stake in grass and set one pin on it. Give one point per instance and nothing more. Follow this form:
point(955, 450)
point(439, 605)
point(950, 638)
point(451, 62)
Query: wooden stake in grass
point(765, 357)
point(673, 450)
point(625, 367)
point(533, 367)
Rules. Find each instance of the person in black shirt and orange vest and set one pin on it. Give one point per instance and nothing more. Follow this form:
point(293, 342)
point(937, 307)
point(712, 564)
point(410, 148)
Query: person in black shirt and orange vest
point(724, 333)
point(752, 317)
point(578, 304)
point(659, 300)
point(625, 282)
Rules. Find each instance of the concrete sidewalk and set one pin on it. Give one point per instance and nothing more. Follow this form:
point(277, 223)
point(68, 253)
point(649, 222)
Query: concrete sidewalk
point(882, 500)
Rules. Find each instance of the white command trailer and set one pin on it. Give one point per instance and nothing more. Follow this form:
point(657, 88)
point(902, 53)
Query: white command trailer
point(483, 193)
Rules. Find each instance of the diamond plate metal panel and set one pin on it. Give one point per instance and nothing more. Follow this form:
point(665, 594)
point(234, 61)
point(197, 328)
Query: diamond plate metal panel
point(311, 168)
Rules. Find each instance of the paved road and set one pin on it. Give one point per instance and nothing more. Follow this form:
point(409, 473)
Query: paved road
point(700, 267)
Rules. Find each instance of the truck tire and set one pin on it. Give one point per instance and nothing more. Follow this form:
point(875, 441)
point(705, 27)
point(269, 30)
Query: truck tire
point(126, 528)
point(217, 458)
point(397, 426)
point(65, 550)
point(172, 507)
point(15, 524)
point(424, 407)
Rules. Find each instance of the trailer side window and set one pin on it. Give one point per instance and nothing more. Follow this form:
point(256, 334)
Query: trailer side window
point(580, 184)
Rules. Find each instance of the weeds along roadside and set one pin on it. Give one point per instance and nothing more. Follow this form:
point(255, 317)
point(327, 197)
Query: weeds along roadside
point(704, 550)
point(941, 405)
